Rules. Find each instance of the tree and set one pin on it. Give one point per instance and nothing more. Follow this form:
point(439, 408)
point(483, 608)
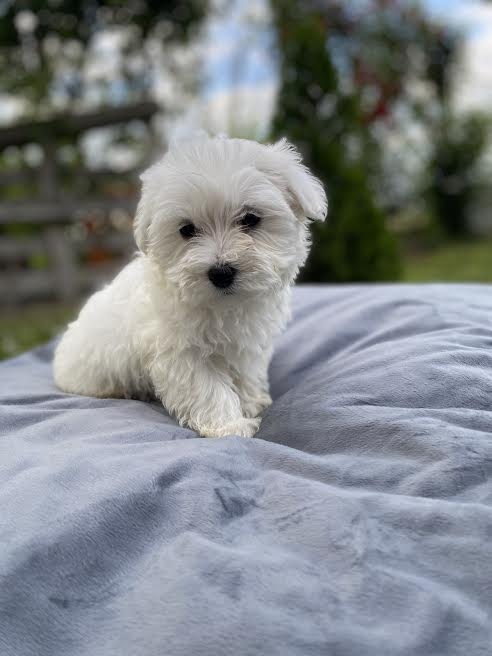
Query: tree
point(451, 181)
point(327, 125)
point(346, 69)
point(46, 48)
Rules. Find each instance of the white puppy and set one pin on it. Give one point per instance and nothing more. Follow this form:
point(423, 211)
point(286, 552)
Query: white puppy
point(222, 229)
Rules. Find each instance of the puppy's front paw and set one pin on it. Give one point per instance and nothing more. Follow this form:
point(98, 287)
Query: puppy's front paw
point(243, 427)
point(252, 407)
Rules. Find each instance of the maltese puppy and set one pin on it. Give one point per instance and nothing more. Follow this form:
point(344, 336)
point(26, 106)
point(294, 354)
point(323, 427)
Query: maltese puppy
point(222, 229)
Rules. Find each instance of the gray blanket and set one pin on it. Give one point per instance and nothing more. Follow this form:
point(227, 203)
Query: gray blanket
point(357, 522)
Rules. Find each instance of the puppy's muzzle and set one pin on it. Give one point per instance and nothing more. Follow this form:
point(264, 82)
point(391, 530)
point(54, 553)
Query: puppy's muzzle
point(222, 276)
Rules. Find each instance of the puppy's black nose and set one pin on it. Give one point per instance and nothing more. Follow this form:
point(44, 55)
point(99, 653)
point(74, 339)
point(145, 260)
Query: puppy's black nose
point(222, 276)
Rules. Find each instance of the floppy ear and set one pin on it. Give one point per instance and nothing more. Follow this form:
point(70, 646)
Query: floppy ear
point(143, 217)
point(304, 192)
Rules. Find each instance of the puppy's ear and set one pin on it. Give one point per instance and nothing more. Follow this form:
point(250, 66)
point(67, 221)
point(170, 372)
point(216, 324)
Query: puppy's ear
point(303, 191)
point(143, 218)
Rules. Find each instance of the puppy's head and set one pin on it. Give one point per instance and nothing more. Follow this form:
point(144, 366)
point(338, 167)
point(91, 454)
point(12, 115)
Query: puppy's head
point(228, 217)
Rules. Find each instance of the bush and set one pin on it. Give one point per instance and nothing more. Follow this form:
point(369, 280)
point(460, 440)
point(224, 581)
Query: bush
point(452, 176)
point(354, 244)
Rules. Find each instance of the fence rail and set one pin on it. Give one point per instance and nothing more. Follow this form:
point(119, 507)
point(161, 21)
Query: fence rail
point(60, 211)
point(71, 125)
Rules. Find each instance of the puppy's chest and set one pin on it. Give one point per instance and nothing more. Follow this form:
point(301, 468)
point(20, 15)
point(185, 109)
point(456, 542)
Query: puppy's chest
point(229, 337)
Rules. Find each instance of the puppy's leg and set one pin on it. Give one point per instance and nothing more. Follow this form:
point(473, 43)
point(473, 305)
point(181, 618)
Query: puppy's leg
point(201, 396)
point(251, 382)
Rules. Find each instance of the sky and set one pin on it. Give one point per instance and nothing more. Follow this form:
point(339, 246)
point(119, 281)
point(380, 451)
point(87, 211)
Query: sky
point(240, 71)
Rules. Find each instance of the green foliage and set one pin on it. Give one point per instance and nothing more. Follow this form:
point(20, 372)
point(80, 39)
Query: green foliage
point(452, 180)
point(354, 245)
point(326, 123)
point(44, 45)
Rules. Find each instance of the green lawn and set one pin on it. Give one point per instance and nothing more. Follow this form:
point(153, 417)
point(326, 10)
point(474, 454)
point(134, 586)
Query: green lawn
point(460, 262)
point(22, 329)
point(457, 262)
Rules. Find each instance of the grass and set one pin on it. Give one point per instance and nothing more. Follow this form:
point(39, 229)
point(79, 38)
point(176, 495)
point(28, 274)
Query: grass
point(22, 329)
point(468, 261)
point(455, 262)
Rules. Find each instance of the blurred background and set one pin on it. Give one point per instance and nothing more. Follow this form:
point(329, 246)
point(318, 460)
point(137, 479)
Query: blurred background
point(390, 102)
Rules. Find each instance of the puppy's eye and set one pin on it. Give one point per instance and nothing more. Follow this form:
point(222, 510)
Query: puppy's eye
point(188, 231)
point(249, 221)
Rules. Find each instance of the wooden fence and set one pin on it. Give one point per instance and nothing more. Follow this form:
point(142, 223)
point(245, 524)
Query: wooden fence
point(65, 273)
point(66, 267)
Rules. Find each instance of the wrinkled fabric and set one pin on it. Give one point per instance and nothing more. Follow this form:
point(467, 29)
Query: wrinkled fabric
point(357, 522)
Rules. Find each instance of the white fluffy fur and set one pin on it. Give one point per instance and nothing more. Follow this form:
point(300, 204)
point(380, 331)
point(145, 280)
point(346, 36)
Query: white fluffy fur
point(160, 328)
